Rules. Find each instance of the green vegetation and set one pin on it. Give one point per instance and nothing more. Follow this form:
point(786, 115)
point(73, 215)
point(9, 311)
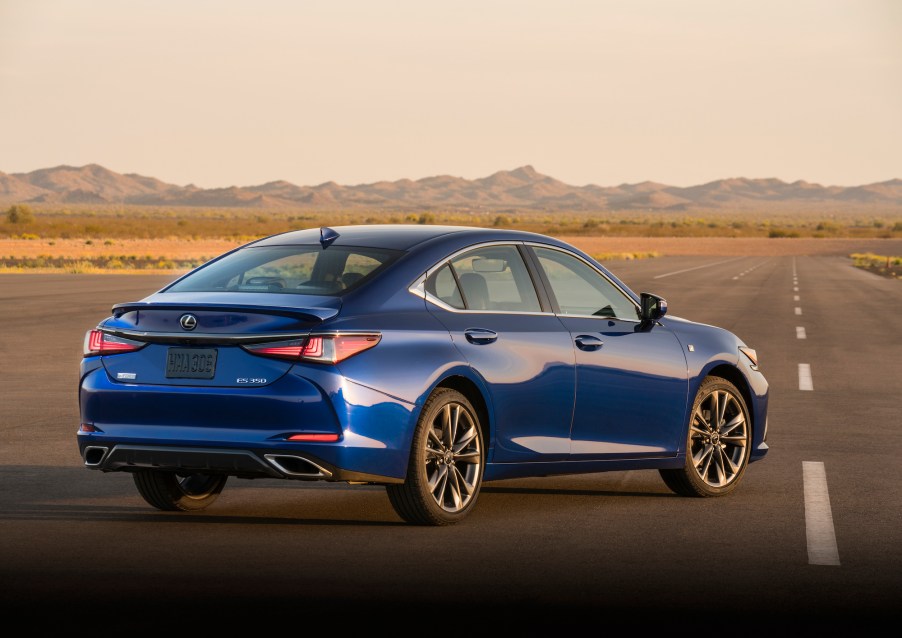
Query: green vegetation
point(124, 263)
point(19, 214)
point(885, 265)
point(602, 257)
point(109, 224)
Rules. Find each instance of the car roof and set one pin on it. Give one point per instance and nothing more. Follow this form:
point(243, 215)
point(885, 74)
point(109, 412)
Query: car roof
point(392, 236)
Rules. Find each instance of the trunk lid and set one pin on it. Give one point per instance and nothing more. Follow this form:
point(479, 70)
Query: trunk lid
point(210, 353)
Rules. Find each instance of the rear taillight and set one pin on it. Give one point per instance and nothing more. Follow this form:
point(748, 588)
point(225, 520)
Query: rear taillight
point(99, 342)
point(318, 348)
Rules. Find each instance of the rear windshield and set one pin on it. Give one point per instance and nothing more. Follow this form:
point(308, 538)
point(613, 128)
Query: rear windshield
point(302, 270)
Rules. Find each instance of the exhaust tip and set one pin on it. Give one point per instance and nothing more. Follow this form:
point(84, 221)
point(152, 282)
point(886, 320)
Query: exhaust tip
point(94, 455)
point(292, 465)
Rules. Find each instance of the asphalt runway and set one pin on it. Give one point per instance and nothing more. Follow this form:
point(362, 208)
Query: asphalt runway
point(568, 554)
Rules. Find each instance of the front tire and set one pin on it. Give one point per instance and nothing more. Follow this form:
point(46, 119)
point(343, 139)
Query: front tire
point(447, 459)
point(717, 445)
point(173, 492)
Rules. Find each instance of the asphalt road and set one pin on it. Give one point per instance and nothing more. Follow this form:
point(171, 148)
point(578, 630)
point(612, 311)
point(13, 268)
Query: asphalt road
point(568, 554)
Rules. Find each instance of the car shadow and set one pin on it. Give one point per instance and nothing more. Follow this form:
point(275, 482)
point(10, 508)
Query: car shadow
point(491, 489)
point(54, 494)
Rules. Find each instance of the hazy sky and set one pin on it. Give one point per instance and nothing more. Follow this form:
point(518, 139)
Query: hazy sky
point(232, 92)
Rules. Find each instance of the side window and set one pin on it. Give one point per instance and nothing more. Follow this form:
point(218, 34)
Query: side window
point(580, 289)
point(495, 278)
point(442, 285)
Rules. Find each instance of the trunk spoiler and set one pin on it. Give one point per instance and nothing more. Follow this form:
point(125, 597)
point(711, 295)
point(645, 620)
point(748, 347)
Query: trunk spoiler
point(309, 313)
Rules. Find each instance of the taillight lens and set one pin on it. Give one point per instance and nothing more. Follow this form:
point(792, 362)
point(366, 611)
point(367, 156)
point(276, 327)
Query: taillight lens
point(318, 349)
point(99, 342)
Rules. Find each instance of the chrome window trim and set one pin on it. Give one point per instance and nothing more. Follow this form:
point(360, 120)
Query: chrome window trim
point(418, 287)
point(604, 276)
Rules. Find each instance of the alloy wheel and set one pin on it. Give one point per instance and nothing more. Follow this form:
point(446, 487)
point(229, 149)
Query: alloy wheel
point(718, 438)
point(453, 457)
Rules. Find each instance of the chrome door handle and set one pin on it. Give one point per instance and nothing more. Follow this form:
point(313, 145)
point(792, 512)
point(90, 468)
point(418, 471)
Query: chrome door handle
point(480, 335)
point(588, 342)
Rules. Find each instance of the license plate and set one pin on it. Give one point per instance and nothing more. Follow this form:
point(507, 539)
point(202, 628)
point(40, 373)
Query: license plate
point(191, 363)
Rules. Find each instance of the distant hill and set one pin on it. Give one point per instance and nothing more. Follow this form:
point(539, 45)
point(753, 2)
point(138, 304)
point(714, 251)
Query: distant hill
point(521, 189)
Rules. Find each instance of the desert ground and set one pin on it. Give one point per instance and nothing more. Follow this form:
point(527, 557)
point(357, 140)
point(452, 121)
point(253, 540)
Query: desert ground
point(176, 254)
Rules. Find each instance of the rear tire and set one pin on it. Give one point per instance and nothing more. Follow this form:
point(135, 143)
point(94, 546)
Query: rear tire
point(447, 458)
point(717, 444)
point(172, 492)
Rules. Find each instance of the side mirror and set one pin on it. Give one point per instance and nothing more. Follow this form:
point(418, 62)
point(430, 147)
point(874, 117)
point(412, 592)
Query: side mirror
point(653, 307)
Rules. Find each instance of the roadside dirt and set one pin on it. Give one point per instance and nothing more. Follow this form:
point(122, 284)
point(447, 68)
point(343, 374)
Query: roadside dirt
point(202, 249)
point(751, 246)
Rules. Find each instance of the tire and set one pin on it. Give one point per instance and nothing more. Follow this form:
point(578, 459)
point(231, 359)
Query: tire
point(447, 459)
point(717, 451)
point(173, 492)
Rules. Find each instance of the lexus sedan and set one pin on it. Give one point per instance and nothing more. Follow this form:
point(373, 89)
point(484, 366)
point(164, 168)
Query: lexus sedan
point(427, 359)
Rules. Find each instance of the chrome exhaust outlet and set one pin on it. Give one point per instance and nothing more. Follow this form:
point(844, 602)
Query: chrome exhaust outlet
point(94, 455)
point(298, 466)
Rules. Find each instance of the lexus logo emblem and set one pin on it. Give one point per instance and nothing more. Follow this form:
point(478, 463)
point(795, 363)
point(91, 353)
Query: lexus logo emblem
point(188, 322)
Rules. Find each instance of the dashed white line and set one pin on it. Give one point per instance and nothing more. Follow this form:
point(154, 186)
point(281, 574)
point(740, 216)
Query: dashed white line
point(795, 297)
point(819, 530)
point(798, 310)
point(805, 380)
point(677, 272)
point(793, 267)
point(795, 288)
point(800, 332)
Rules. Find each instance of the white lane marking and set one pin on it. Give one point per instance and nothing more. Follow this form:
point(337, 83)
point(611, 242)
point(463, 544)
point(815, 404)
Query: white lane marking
point(795, 288)
point(795, 297)
point(678, 272)
point(805, 381)
point(819, 530)
point(800, 332)
point(793, 267)
point(748, 270)
point(798, 310)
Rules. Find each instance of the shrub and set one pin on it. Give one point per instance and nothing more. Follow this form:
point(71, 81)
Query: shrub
point(19, 214)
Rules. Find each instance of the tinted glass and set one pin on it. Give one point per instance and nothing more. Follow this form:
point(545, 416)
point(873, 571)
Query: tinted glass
point(303, 270)
point(495, 278)
point(580, 289)
point(442, 285)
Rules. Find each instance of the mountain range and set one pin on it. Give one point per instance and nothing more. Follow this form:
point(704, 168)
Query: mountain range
point(521, 189)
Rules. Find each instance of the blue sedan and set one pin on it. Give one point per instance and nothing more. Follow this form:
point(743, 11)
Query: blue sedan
point(427, 359)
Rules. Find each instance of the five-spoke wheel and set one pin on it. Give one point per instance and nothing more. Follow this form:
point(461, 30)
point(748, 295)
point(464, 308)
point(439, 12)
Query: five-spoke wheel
point(717, 447)
point(446, 464)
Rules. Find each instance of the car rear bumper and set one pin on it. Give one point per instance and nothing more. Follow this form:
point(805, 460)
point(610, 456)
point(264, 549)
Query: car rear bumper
point(236, 462)
point(246, 432)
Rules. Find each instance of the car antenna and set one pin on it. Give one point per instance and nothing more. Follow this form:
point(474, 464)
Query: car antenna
point(327, 236)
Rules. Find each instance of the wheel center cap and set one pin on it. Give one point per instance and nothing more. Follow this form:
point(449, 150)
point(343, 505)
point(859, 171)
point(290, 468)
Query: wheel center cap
point(715, 438)
point(449, 457)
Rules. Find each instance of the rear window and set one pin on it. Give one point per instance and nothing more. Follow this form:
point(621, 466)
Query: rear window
point(302, 270)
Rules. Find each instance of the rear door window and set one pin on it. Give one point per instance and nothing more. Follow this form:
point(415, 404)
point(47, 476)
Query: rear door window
point(495, 278)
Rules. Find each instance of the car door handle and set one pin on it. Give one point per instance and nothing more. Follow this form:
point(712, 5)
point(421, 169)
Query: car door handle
point(588, 342)
point(480, 335)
